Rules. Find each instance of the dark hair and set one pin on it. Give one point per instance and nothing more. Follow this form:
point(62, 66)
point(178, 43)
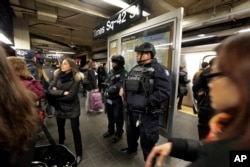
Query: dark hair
point(211, 62)
point(18, 116)
point(233, 60)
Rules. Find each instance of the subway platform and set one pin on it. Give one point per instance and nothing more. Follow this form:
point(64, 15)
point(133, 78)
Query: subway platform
point(100, 152)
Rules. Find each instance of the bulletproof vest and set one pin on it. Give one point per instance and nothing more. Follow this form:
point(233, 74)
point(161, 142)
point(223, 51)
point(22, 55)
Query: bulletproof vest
point(140, 80)
point(114, 78)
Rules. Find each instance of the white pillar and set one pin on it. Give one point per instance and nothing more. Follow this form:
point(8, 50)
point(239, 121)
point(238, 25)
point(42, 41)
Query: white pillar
point(21, 33)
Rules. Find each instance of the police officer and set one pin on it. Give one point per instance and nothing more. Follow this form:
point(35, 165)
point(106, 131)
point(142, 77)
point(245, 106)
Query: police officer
point(113, 102)
point(146, 88)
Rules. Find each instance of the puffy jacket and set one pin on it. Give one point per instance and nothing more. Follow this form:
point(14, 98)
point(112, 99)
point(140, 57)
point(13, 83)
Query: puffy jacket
point(182, 86)
point(205, 109)
point(35, 86)
point(92, 77)
point(67, 106)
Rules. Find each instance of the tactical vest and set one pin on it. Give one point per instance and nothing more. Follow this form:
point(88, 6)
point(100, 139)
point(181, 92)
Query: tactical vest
point(140, 80)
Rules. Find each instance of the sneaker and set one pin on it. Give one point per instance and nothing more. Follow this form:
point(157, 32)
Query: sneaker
point(78, 159)
point(101, 110)
point(128, 152)
point(116, 138)
point(108, 134)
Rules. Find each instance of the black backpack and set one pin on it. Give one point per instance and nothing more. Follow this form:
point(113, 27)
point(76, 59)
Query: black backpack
point(86, 81)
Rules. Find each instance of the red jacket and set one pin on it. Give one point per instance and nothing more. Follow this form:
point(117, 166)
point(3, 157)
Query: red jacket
point(35, 86)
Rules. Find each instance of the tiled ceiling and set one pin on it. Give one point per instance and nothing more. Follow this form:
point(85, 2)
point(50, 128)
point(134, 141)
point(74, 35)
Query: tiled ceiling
point(69, 24)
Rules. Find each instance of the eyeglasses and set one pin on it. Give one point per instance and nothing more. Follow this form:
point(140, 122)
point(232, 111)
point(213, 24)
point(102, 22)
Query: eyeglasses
point(213, 75)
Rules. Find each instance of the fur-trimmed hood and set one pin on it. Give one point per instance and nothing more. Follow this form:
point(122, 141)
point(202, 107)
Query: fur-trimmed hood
point(78, 77)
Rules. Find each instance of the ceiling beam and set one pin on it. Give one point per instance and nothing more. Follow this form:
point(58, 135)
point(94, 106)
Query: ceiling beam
point(48, 39)
point(82, 8)
point(174, 3)
point(166, 5)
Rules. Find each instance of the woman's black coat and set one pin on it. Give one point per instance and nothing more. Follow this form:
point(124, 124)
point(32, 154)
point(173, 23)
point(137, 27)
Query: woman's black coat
point(92, 77)
point(203, 154)
point(66, 106)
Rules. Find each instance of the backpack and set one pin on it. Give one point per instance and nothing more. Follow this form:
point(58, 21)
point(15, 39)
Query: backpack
point(86, 81)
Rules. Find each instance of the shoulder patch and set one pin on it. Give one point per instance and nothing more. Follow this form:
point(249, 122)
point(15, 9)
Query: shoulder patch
point(166, 72)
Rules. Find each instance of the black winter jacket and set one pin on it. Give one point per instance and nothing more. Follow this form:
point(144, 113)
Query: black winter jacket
point(205, 109)
point(67, 106)
point(115, 81)
point(93, 80)
point(202, 83)
point(202, 154)
point(182, 86)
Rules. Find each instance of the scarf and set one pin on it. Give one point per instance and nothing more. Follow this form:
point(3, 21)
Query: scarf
point(64, 77)
point(216, 126)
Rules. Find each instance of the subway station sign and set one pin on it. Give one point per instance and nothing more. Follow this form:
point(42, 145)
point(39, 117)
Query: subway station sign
point(120, 20)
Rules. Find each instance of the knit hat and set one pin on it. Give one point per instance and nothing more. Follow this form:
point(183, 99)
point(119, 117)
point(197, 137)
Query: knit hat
point(28, 54)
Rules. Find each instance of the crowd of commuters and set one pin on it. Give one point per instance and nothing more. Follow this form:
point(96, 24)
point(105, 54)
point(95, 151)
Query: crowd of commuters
point(136, 97)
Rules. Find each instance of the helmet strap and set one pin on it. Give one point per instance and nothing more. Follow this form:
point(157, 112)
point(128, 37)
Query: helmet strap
point(141, 61)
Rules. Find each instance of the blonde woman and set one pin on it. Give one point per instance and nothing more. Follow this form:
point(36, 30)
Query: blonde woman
point(19, 66)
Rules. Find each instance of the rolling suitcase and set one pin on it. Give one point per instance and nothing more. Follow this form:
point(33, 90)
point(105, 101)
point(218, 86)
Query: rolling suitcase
point(95, 101)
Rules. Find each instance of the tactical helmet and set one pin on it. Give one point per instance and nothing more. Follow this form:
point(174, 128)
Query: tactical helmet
point(146, 47)
point(118, 59)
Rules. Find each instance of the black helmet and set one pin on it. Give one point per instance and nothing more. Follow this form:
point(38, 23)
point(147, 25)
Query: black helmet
point(146, 47)
point(118, 59)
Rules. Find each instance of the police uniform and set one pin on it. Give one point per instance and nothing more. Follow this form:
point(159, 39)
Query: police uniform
point(113, 102)
point(146, 88)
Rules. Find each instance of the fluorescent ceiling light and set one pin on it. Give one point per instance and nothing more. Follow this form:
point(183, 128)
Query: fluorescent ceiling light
point(198, 38)
point(201, 35)
point(4, 39)
point(166, 44)
point(61, 52)
point(123, 5)
point(244, 30)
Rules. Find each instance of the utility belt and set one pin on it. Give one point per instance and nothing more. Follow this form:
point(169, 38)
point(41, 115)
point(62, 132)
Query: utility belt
point(113, 96)
point(149, 111)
